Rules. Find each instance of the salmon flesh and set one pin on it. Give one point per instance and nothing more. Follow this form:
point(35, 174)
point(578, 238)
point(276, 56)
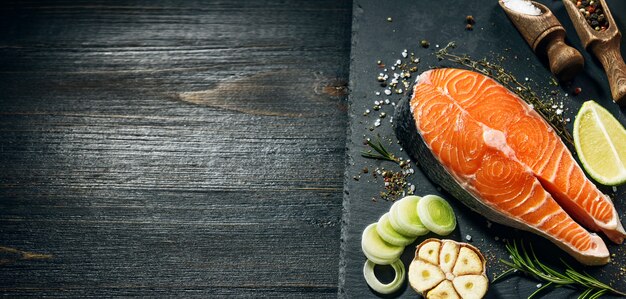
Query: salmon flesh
point(492, 151)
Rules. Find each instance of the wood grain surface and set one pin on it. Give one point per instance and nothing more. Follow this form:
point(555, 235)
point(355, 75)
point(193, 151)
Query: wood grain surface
point(172, 148)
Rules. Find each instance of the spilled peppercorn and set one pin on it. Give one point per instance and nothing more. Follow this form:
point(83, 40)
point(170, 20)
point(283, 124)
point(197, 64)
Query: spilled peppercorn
point(470, 23)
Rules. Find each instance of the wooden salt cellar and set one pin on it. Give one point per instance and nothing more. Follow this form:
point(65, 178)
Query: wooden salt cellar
point(546, 36)
point(605, 45)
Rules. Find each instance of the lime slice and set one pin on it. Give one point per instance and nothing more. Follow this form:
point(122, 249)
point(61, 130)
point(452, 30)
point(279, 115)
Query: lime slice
point(600, 142)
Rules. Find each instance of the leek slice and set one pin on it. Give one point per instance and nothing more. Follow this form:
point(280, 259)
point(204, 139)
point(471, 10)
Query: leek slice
point(436, 214)
point(376, 285)
point(404, 218)
point(389, 235)
point(376, 249)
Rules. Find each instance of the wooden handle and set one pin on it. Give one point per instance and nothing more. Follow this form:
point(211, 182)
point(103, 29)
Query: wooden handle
point(546, 36)
point(565, 61)
point(609, 55)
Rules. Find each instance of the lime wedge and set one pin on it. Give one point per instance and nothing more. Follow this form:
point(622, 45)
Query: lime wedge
point(600, 142)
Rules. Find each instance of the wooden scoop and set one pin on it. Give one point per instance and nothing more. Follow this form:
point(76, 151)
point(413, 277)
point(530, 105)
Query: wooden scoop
point(546, 36)
point(605, 45)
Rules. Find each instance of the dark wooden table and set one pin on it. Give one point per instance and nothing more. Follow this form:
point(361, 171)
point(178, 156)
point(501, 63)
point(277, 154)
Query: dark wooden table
point(172, 148)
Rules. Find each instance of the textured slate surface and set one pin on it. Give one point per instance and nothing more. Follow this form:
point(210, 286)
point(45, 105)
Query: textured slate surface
point(374, 38)
point(172, 148)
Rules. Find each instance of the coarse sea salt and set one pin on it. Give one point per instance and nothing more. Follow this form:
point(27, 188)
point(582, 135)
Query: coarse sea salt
point(522, 6)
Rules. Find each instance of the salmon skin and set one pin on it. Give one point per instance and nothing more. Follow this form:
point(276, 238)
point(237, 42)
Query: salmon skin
point(493, 152)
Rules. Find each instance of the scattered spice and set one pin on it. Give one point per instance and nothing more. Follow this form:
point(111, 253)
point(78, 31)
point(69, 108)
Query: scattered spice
point(593, 13)
point(469, 27)
point(554, 82)
point(396, 183)
point(577, 90)
point(389, 19)
point(424, 43)
point(470, 20)
point(507, 79)
point(395, 80)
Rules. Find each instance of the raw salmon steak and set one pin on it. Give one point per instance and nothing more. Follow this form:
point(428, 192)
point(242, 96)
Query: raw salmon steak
point(492, 151)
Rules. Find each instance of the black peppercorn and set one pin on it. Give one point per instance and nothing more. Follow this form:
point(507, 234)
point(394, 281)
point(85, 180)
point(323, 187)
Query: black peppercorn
point(592, 11)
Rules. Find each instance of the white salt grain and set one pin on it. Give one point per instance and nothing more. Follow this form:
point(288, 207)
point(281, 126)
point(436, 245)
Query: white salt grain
point(522, 6)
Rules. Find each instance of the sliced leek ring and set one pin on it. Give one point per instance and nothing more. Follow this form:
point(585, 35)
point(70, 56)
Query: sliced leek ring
point(376, 285)
point(436, 214)
point(404, 219)
point(390, 235)
point(376, 249)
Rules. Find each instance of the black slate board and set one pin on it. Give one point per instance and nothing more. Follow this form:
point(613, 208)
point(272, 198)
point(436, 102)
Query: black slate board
point(376, 38)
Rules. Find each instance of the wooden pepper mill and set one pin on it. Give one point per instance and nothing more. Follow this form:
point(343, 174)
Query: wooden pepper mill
point(546, 36)
point(605, 45)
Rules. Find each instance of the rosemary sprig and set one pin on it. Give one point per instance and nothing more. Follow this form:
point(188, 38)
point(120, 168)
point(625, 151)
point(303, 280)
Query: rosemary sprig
point(528, 263)
point(382, 152)
point(507, 79)
point(396, 183)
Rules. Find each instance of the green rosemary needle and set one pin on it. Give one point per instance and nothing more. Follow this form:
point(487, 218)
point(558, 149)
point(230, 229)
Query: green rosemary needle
point(528, 263)
point(382, 152)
